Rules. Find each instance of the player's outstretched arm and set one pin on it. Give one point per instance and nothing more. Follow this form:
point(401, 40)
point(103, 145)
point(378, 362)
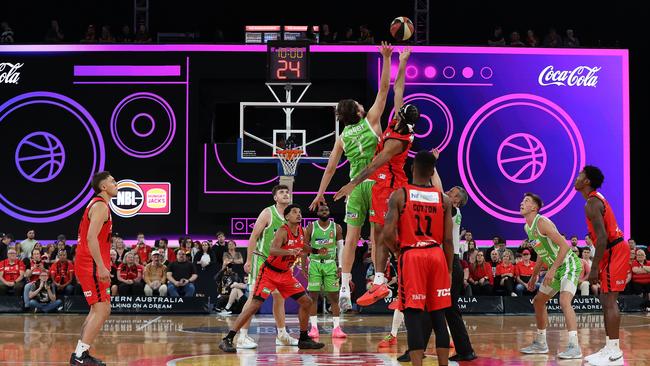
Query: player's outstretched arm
point(398, 87)
point(447, 238)
point(335, 157)
point(377, 109)
point(391, 148)
point(262, 221)
point(435, 178)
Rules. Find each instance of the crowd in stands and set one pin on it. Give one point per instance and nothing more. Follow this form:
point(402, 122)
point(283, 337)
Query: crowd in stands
point(43, 274)
point(361, 34)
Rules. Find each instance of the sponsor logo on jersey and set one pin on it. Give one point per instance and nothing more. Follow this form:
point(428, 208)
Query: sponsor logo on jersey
point(138, 198)
point(353, 215)
point(418, 297)
point(88, 293)
point(323, 241)
point(266, 290)
point(424, 196)
point(620, 282)
point(444, 292)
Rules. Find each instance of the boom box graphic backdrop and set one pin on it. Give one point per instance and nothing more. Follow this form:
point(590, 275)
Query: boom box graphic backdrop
point(507, 121)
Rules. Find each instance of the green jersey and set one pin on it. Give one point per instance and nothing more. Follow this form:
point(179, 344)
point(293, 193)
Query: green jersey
point(264, 242)
point(323, 239)
point(547, 251)
point(359, 144)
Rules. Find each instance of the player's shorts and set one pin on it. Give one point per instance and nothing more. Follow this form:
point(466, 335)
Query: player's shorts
point(424, 281)
point(380, 196)
point(255, 269)
point(358, 204)
point(323, 275)
point(565, 280)
point(94, 290)
point(269, 280)
point(615, 266)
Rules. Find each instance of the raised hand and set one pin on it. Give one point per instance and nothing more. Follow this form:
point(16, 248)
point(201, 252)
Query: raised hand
point(386, 49)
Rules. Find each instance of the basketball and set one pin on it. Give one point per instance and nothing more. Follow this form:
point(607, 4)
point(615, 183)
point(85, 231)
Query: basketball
point(401, 28)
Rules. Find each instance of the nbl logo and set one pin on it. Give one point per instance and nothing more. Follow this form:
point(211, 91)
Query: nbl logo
point(129, 199)
point(136, 198)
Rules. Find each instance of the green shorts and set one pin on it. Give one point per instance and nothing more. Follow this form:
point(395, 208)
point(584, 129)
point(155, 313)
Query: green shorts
point(566, 279)
point(323, 276)
point(255, 270)
point(358, 204)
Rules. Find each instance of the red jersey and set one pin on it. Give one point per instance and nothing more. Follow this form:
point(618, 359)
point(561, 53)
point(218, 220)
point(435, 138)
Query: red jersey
point(11, 271)
point(611, 227)
point(284, 262)
point(104, 237)
point(422, 221)
point(62, 271)
point(642, 278)
point(521, 269)
point(130, 272)
point(392, 173)
point(36, 269)
point(503, 269)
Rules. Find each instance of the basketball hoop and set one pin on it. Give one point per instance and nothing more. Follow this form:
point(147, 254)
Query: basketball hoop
point(289, 159)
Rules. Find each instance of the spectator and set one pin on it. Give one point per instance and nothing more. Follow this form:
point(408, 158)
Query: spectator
point(120, 250)
point(142, 250)
point(130, 276)
point(523, 273)
point(494, 260)
point(326, 36)
point(465, 264)
point(348, 36)
point(155, 276)
point(571, 41)
point(574, 244)
point(34, 265)
point(142, 35)
point(7, 35)
point(42, 296)
point(206, 270)
point(632, 244)
point(505, 275)
point(114, 281)
point(62, 272)
point(480, 276)
point(232, 256)
point(167, 253)
point(552, 39)
point(531, 39)
point(590, 245)
point(106, 36)
point(515, 40)
point(185, 246)
point(195, 249)
point(231, 290)
point(640, 283)
point(583, 282)
point(54, 33)
point(49, 255)
point(27, 245)
point(12, 273)
point(125, 35)
point(219, 248)
point(61, 245)
point(181, 276)
point(5, 241)
point(91, 35)
point(365, 35)
point(471, 244)
point(497, 37)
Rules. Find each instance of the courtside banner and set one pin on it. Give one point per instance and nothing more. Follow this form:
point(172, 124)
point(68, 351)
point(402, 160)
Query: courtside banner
point(143, 305)
point(524, 305)
point(467, 305)
point(11, 304)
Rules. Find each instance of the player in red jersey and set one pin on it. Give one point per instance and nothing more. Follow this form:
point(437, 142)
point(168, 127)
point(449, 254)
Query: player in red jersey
point(276, 274)
point(610, 264)
point(92, 265)
point(420, 215)
point(387, 170)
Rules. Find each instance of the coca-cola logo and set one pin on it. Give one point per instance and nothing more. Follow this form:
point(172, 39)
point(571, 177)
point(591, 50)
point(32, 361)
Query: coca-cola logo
point(580, 76)
point(9, 72)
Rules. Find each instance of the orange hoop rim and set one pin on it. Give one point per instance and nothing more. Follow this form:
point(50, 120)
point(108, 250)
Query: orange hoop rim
point(289, 154)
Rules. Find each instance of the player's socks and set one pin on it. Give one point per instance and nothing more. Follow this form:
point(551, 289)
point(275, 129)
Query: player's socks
point(81, 348)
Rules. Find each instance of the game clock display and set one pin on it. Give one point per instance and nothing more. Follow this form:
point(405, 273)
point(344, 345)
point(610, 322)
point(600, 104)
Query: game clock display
point(288, 61)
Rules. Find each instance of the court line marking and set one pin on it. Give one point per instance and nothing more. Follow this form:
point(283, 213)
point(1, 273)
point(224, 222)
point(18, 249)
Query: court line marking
point(148, 323)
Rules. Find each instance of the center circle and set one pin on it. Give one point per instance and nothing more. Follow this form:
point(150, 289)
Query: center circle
point(152, 125)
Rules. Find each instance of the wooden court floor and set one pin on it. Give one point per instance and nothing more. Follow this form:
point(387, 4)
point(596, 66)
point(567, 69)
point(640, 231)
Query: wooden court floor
point(193, 340)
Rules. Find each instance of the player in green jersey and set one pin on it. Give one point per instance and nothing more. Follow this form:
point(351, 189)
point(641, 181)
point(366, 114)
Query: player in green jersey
point(324, 270)
point(358, 141)
point(564, 269)
point(259, 245)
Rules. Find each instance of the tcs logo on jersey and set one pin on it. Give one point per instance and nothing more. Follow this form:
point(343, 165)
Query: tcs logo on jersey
point(134, 198)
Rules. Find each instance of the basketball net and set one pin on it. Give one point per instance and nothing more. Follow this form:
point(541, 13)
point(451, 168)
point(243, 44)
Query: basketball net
point(289, 159)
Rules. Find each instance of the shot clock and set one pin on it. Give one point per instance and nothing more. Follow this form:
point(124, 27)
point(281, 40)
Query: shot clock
point(288, 62)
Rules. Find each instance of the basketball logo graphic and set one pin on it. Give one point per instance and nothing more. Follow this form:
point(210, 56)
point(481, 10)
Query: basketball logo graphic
point(40, 157)
point(521, 158)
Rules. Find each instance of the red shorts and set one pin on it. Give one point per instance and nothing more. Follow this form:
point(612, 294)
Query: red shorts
point(380, 196)
point(423, 279)
point(269, 280)
point(614, 268)
point(94, 290)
